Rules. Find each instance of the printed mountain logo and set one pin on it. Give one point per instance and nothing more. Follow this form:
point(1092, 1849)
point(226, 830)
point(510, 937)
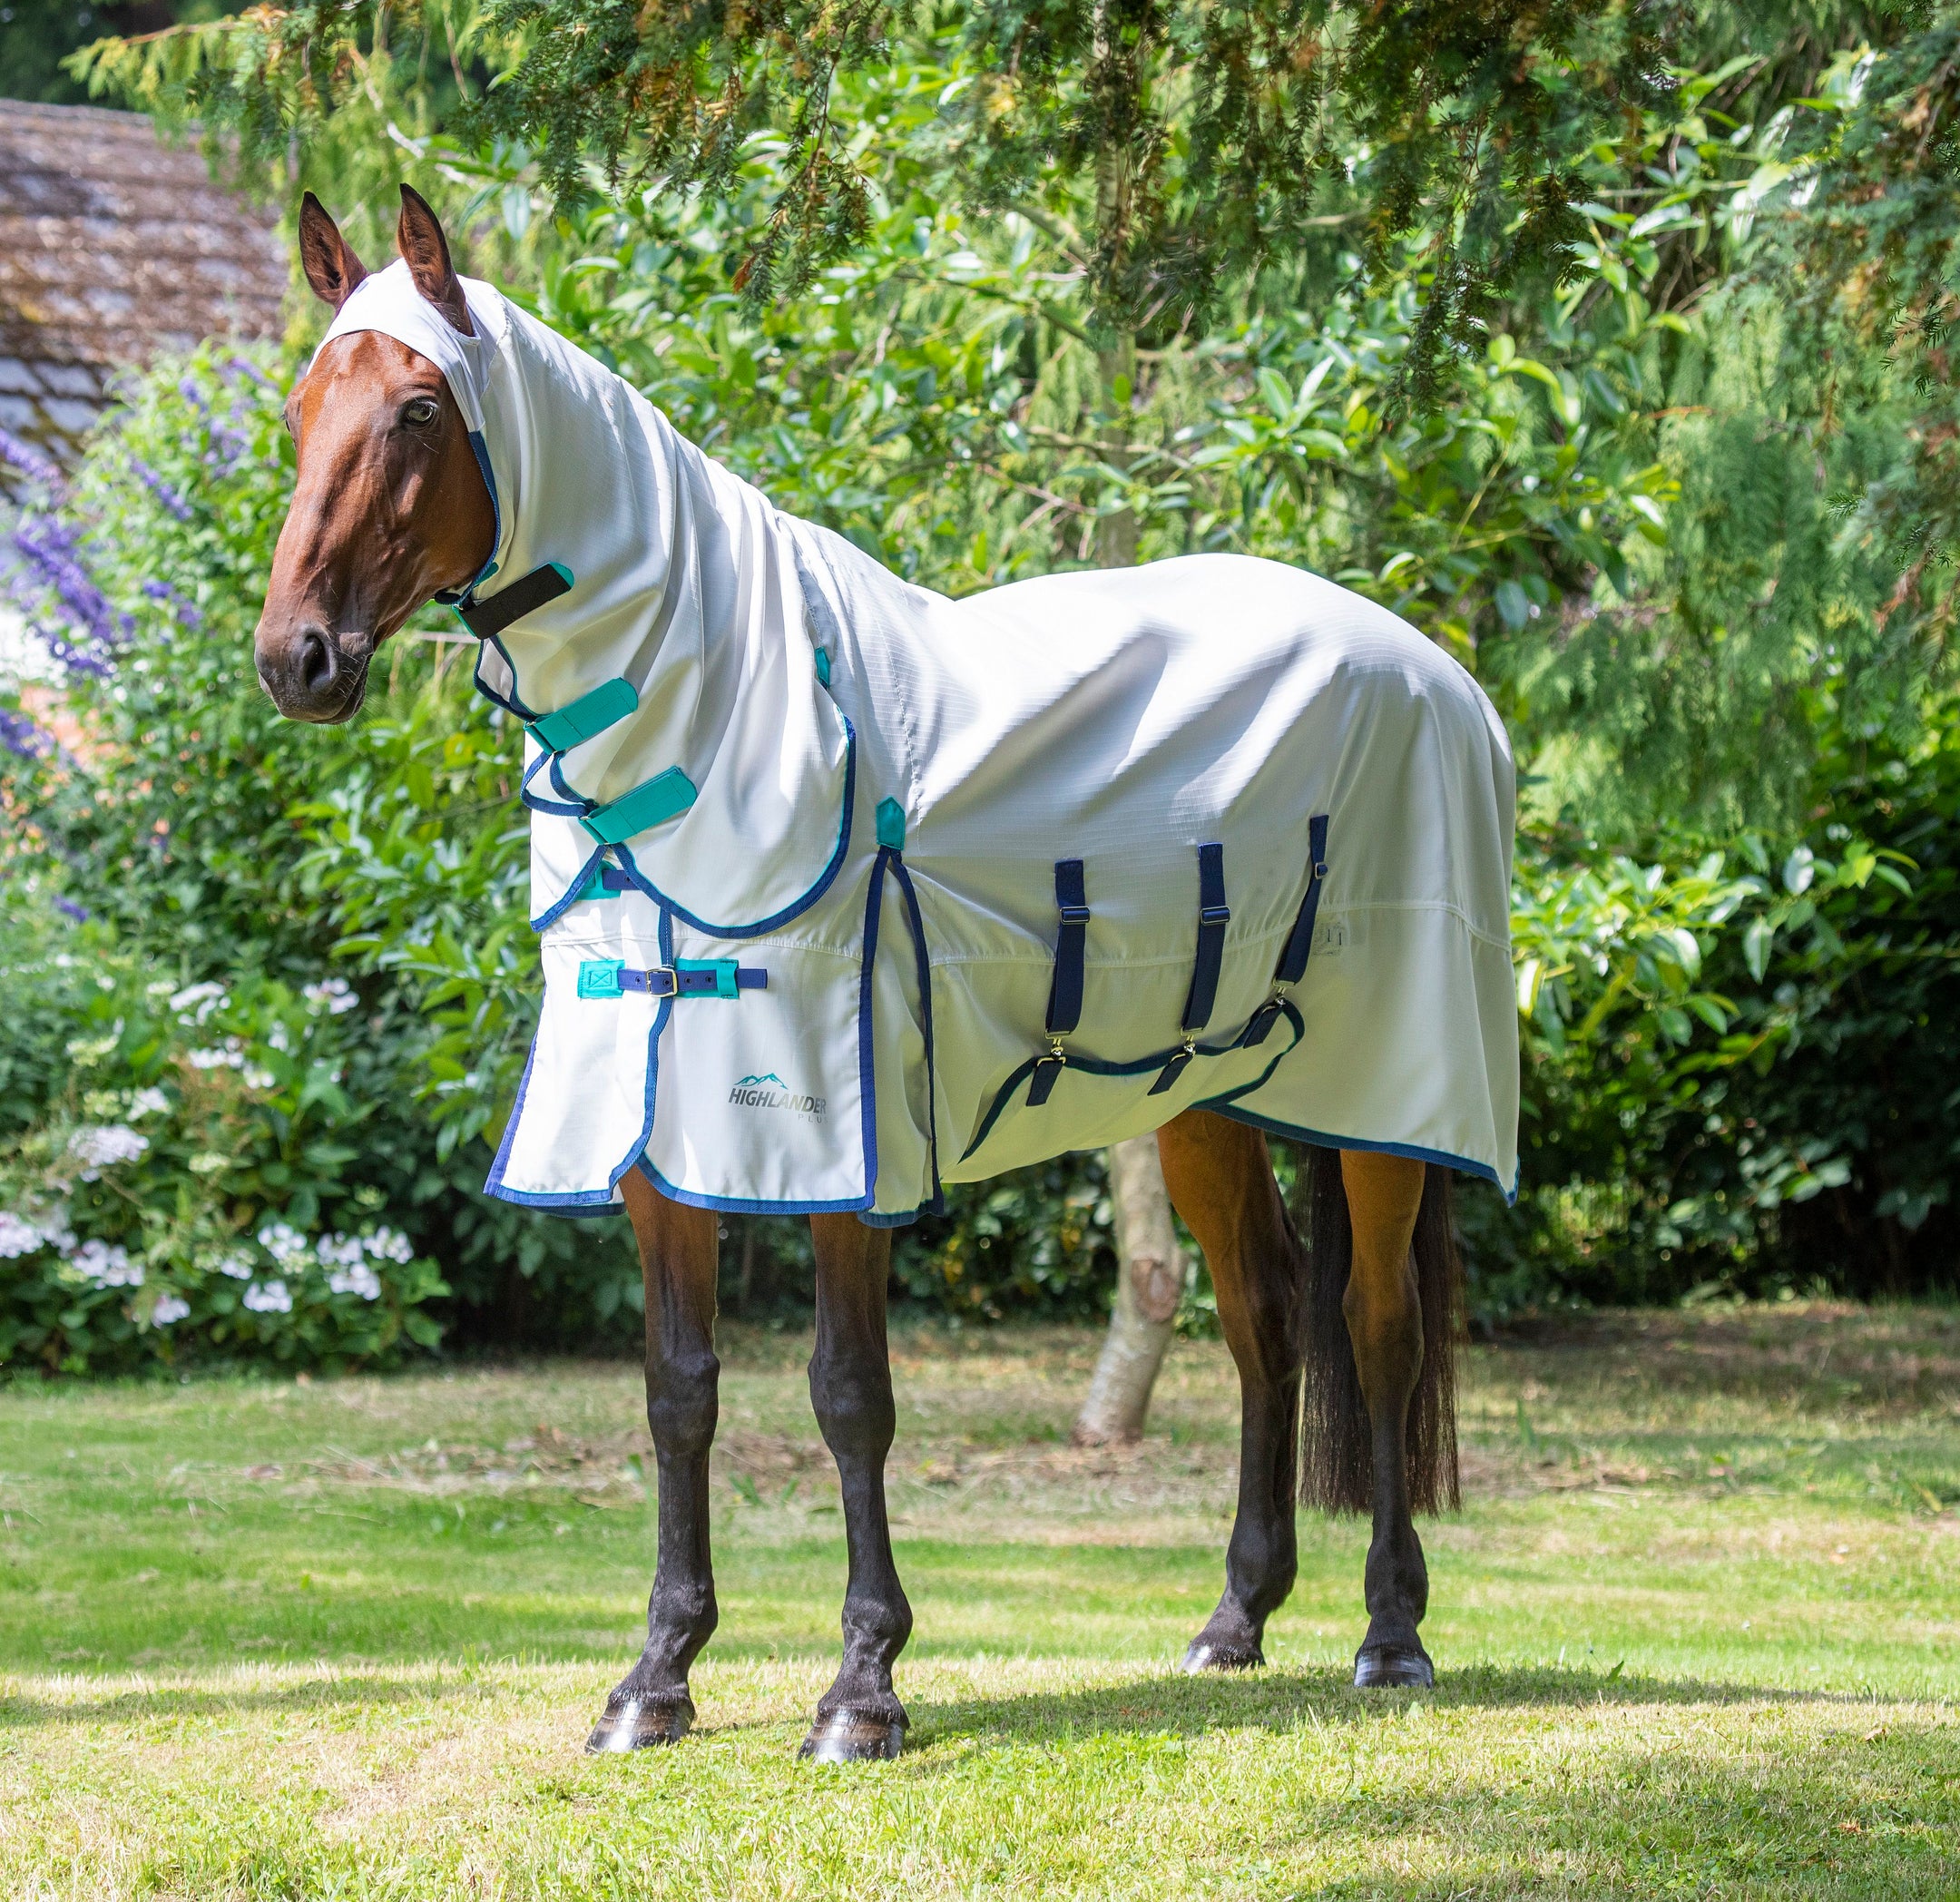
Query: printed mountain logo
point(770, 1092)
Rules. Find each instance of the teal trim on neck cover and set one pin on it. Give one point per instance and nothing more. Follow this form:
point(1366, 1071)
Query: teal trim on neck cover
point(664, 797)
point(891, 823)
point(586, 718)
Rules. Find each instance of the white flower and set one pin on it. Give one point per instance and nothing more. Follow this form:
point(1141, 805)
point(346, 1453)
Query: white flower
point(277, 1038)
point(269, 1297)
point(338, 1251)
point(231, 1057)
point(103, 1144)
point(239, 1267)
point(258, 1079)
point(148, 1103)
point(389, 1245)
point(17, 1237)
point(360, 1280)
point(335, 994)
point(197, 1004)
point(161, 989)
point(286, 1245)
point(169, 1308)
point(108, 1266)
point(55, 1229)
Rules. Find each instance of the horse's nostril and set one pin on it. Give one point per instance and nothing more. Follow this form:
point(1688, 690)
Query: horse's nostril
point(318, 661)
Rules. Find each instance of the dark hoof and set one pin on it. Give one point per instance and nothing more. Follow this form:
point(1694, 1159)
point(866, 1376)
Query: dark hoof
point(852, 1736)
point(1204, 1655)
point(1382, 1667)
point(640, 1724)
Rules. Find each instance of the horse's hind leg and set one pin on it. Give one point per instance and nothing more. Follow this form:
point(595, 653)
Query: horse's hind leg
point(859, 1717)
point(1385, 1326)
point(678, 1247)
point(1221, 1182)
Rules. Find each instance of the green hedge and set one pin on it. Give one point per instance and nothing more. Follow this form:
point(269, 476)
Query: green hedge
point(1737, 1056)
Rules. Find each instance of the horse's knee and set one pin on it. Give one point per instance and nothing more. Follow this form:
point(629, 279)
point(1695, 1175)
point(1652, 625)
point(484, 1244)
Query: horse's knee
point(854, 1408)
point(682, 1402)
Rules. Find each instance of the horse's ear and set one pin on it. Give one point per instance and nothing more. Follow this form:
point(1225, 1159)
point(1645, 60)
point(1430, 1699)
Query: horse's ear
point(327, 258)
point(420, 236)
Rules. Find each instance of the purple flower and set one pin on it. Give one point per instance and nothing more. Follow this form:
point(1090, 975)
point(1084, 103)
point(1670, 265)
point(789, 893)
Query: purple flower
point(21, 736)
point(174, 503)
point(69, 908)
point(52, 550)
point(29, 461)
point(188, 616)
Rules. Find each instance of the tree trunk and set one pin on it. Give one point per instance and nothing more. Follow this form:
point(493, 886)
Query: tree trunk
point(1150, 1281)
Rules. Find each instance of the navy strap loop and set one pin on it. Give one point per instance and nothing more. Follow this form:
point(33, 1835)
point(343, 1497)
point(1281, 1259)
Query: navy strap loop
point(1262, 1021)
point(1065, 992)
point(526, 595)
point(1213, 920)
point(1299, 943)
point(1174, 1069)
point(1042, 1079)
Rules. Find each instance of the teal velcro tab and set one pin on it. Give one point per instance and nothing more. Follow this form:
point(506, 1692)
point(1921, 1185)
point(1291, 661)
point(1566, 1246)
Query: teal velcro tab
point(891, 823)
point(586, 718)
point(599, 977)
point(823, 665)
point(721, 969)
point(664, 796)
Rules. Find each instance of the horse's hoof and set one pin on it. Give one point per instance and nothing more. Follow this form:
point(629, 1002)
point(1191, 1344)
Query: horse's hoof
point(1381, 1667)
point(1204, 1655)
point(640, 1724)
point(852, 1736)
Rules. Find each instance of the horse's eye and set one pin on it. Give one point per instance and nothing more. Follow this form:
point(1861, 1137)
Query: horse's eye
point(420, 413)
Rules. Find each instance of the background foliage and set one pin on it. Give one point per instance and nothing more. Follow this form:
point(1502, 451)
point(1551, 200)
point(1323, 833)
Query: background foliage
point(1659, 516)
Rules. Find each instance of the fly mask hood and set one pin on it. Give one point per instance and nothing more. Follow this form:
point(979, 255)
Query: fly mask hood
point(642, 614)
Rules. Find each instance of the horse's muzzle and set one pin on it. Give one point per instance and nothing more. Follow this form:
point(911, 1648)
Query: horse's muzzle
point(315, 674)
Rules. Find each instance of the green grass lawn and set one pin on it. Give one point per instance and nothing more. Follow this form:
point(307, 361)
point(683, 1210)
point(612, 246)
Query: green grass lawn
point(1697, 1632)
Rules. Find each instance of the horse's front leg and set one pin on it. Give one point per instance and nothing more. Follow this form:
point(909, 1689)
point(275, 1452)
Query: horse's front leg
point(859, 1717)
point(678, 1247)
point(1221, 1182)
point(1385, 1324)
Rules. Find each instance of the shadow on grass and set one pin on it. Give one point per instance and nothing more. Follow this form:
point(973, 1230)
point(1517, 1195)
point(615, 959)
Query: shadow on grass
point(1153, 1704)
point(1282, 1700)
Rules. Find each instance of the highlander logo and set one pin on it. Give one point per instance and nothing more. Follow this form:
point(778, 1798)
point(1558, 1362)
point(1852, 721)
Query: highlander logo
point(770, 1093)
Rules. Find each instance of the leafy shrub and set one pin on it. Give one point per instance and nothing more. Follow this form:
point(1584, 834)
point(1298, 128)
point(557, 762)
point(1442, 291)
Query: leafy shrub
point(195, 1178)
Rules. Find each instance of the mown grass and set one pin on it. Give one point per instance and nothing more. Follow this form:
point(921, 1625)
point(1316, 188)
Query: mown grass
point(1697, 1629)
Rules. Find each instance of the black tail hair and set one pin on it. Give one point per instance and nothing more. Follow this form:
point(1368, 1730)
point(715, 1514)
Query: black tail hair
point(1337, 1461)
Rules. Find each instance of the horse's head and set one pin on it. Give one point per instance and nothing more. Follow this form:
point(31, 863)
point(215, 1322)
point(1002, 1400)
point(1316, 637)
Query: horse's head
point(390, 506)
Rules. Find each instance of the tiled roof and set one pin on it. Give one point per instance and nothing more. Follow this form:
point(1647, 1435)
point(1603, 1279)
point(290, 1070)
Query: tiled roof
point(114, 246)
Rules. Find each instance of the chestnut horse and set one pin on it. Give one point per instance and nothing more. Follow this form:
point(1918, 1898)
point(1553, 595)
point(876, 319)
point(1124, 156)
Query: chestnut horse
point(1342, 1338)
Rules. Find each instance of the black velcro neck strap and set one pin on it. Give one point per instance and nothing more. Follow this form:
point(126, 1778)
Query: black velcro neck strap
point(526, 595)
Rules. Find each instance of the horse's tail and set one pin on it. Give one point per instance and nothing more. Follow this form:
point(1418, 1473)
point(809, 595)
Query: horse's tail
point(1335, 1459)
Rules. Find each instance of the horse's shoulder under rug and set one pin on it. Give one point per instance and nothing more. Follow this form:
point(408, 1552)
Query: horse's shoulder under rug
point(847, 890)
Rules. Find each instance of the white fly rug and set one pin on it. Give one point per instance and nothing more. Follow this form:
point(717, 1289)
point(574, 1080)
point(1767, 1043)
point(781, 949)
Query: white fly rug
point(848, 891)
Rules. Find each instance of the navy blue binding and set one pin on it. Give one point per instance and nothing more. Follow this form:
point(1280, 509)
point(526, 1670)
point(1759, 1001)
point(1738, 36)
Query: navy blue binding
point(1065, 988)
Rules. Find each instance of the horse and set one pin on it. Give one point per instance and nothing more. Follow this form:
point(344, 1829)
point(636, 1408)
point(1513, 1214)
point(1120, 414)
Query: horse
point(665, 609)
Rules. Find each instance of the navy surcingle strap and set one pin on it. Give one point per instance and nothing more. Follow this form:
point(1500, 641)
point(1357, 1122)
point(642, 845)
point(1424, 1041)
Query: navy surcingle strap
point(1065, 993)
point(526, 595)
point(1213, 920)
point(1066, 989)
point(1293, 965)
